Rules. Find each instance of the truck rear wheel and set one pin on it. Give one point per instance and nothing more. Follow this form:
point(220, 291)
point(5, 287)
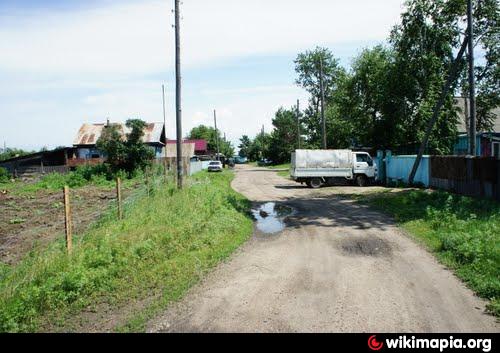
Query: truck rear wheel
point(361, 180)
point(315, 183)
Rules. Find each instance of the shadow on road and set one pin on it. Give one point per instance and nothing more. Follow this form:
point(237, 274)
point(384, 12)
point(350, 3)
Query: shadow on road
point(333, 212)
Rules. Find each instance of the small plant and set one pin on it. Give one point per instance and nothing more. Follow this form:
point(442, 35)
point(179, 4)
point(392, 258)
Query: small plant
point(4, 175)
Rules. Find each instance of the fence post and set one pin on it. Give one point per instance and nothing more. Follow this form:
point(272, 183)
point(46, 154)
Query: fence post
point(119, 197)
point(388, 156)
point(67, 221)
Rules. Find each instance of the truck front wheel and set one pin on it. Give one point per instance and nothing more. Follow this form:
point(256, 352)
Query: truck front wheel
point(315, 183)
point(361, 180)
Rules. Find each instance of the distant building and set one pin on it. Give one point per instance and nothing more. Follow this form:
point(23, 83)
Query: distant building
point(57, 160)
point(200, 146)
point(86, 139)
point(487, 142)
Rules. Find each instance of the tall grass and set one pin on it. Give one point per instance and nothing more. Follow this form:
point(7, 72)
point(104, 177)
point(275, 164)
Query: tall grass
point(464, 232)
point(165, 243)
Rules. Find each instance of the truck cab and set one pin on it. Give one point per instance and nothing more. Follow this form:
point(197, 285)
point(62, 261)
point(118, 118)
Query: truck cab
point(364, 168)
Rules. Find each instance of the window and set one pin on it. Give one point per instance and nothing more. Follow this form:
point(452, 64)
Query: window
point(495, 149)
point(362, 158)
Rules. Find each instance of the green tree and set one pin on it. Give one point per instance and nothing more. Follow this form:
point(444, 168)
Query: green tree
point(363, 99)
point(244, 146)
point(209, 134)
point(12, 153)
point(308, 67)
point(259, 147)
point(283, 139)
point(424, 45)
point(487, 71)
point(127, 153)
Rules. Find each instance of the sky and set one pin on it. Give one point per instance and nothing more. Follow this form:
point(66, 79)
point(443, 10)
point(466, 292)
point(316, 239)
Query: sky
point(64, 63)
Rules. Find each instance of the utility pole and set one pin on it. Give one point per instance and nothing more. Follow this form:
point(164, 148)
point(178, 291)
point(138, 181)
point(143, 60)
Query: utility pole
point(472, 83)
point(178, 115)
point(164, 118)
point(216, 134)
point(452, 76)
point(298, 125)
point(322, 88)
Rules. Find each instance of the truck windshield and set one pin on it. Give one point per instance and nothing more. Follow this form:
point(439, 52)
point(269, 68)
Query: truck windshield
point(363, 158)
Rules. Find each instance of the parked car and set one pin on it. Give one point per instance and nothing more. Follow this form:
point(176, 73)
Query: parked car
point(240, 160)
point(319, 167)
point(215, 166)
point(264, 162)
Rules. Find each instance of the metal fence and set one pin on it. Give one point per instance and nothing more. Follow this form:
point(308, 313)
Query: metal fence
point(464, 175)
point(398, 168)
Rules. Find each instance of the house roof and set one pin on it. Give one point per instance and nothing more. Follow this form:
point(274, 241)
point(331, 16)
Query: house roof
point(199, 145)
point(90, 133)
point(462, 126)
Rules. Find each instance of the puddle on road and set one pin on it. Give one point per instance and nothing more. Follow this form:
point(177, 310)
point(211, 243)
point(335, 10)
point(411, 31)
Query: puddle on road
point(270, 217)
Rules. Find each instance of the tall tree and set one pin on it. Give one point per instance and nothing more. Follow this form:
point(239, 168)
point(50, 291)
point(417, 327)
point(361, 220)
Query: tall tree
point(308, 66)
point(244, 146)
point(209, 134)
point(364, 98)
point(127, 153)
point(283, 140)
point(424, 45)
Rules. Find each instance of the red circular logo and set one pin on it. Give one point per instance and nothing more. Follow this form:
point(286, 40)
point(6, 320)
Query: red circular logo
point(373, 344)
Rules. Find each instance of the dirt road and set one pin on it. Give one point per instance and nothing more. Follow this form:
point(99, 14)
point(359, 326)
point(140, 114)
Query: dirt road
point(336, 267)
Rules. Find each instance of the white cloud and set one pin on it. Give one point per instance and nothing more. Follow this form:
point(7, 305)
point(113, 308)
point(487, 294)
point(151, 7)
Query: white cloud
point(138, 37)
point(62, 68)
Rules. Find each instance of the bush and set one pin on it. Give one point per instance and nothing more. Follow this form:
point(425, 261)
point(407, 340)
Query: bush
point(4, 175)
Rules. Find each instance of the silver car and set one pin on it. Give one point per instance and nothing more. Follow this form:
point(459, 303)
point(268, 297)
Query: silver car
point(215, 166)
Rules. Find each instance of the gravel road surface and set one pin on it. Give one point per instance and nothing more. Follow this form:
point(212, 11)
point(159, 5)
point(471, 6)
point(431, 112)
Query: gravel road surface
point(336, 267)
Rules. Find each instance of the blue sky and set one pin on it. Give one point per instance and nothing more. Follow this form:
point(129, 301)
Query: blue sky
point(64, 63)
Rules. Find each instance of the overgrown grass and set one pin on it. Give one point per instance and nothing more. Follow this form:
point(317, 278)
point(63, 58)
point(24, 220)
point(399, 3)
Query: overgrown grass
point(463, 232)
point(166, 242)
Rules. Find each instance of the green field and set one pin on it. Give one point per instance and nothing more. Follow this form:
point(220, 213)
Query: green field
point(463, 232)
point(167, 241)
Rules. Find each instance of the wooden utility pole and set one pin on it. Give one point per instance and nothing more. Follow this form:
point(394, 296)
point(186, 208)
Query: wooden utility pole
point(298, 125)
point(322, 88)
point(178, 115)
point(119, 198)
point(68, 226)
point(165, 170)
point(472, 83)
point(452, 76)
point(216, 134)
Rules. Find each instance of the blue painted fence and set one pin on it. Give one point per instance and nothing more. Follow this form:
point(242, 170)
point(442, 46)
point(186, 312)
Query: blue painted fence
point(398, 168)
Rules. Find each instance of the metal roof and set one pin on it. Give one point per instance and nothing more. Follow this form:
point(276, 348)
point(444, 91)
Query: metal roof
point(88, 134)
point(463, 123)
point(200, 145)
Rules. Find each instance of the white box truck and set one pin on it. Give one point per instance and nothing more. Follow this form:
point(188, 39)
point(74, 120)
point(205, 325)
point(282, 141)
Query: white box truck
point(320, 167)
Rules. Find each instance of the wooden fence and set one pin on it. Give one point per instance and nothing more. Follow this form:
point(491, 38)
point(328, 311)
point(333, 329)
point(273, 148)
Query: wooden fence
point(471, 176)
